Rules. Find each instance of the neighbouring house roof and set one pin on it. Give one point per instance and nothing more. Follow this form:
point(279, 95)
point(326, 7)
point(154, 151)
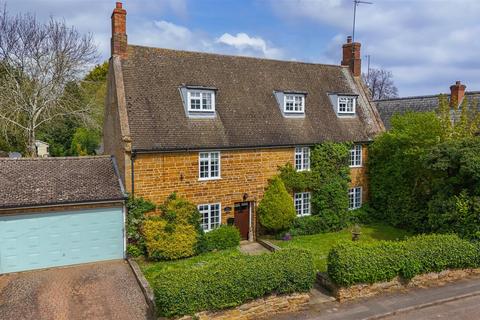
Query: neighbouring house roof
point(30, 182)
point(39, 142)
point(388, 107)
point(247, 111)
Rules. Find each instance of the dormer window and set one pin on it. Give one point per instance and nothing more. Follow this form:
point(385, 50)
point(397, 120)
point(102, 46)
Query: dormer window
point(294, 103)
point(201, 101)
point(346, 105)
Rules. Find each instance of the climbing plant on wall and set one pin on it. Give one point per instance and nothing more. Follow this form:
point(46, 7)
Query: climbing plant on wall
point(328, 181)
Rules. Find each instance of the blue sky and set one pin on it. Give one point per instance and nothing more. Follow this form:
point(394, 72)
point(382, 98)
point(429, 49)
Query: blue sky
point(427, 44)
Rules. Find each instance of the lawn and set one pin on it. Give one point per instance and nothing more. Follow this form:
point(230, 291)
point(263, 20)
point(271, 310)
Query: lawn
point(320, 244)
point(150, 269)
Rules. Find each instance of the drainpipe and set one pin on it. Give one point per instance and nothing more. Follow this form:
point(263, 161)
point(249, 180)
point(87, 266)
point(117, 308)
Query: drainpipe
point(250, 223)
point(132, 162)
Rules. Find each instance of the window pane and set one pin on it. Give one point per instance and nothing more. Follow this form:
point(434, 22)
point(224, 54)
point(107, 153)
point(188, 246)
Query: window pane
point(206, 101)
point(209, 164)
point(203, 209)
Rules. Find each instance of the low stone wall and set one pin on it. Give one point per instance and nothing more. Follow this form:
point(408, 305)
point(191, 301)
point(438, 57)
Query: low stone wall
point(397, 284)
point(267, 244)
point(258, 309)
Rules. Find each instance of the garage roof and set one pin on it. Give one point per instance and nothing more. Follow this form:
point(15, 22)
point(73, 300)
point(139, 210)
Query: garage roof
point(31, 182)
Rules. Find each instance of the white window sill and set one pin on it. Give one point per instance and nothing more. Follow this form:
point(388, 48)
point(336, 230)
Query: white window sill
point(357, 166)
point(302, 170)
point(303, 215)
point(209, 179)
point(354, 208)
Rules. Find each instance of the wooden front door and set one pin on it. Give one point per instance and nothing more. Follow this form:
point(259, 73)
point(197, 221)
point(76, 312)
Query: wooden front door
point(242, 218)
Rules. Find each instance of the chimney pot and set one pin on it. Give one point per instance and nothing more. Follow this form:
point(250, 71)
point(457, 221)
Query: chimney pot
point(119, 31)
point(351, 57)
point(457, 93)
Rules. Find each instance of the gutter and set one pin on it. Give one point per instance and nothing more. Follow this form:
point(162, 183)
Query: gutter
point(146, 151)
point(117, 173)
point(61, 204)
point(132, 164)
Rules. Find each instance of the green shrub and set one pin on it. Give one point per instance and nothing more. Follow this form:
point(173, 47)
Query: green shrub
point(276, 210)
point(136, 209)
point(308, 225)
point(134, 250)
point(359, 262)
point(169, 244)
point(222, 238)
point(232, 281)
point(176, 233)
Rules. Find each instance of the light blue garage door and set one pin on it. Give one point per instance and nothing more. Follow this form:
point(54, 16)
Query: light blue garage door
point(42, 240)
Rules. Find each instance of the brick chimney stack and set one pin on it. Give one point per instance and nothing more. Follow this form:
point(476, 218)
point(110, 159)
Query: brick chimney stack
point(351, 57)
point(457, 92)
point(119, 31)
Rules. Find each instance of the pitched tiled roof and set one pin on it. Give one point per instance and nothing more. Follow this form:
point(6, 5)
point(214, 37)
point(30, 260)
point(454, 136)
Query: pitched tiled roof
point(30, 182)
point(388, 107)
point(247, 112)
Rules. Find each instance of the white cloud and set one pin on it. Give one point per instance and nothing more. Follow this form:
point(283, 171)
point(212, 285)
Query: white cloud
point(246, 44)
point(166, 34)
point(145, 26)
point(427, 44)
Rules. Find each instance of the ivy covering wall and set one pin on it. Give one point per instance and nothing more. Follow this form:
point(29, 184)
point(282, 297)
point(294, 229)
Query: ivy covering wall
point(327, 181)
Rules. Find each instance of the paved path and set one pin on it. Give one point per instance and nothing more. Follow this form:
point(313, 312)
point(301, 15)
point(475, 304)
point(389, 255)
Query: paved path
point(374, 307)
point(105, 290)
point(252, 248)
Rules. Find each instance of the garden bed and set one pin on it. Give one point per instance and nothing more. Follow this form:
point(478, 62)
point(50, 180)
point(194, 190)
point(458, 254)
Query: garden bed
point(320, 244)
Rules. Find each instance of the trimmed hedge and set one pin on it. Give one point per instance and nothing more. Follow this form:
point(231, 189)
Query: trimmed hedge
point(356, 262)
point(308, 225)
point(231, 281)
point(222, 238)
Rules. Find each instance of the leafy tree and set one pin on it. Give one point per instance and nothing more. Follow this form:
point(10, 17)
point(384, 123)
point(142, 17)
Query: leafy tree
point(459, 121)
point(59, 134)
point(276, 210)
point(85, 142)
point(39, 61)
point(455, 184)
point(399, 183)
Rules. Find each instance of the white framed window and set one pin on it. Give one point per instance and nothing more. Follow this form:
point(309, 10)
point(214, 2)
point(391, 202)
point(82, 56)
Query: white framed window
point(356, 156)
point(346, 105)
point(294, 103)
point(302, 158)
point(302, 204)
point(201, 100)
point(210, 216)
point(209, 165)
point(354, 198)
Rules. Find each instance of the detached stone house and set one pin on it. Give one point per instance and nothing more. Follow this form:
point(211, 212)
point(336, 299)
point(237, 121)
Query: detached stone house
point(215, 128)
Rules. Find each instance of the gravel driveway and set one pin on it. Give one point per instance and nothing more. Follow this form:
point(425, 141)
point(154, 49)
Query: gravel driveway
point(105, 290)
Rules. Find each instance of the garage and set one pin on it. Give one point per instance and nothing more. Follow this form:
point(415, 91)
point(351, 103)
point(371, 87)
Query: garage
point(74, 214)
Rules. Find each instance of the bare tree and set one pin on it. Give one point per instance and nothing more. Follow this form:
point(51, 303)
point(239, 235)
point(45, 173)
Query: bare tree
point(380, 83)
point(37, 62)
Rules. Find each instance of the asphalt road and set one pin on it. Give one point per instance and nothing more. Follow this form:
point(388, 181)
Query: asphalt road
point(464, 309)
point(459, 307)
